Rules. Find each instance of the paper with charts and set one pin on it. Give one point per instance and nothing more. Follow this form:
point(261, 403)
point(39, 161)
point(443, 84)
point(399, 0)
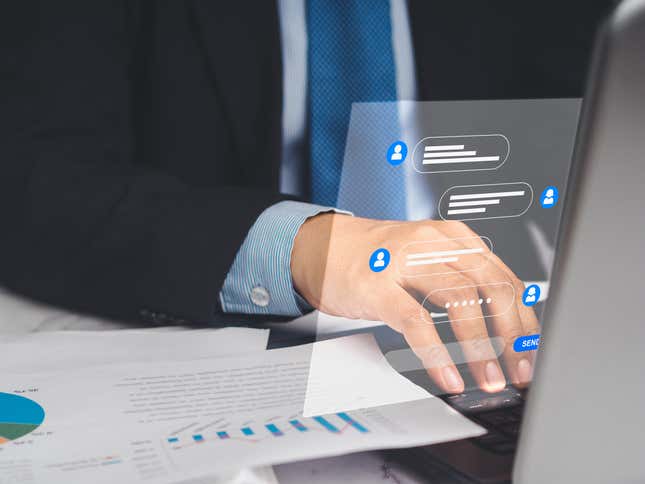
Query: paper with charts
point(164, 422)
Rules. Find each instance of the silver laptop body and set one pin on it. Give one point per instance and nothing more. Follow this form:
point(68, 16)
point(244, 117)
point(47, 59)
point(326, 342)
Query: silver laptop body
point(585, 416)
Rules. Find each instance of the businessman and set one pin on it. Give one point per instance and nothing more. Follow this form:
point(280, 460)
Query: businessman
point(180, 161)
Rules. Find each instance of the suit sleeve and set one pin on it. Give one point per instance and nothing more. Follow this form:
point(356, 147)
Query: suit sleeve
point(84, 226)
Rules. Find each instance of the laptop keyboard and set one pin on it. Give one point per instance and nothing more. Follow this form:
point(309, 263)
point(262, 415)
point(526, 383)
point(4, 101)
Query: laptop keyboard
point(499, 413)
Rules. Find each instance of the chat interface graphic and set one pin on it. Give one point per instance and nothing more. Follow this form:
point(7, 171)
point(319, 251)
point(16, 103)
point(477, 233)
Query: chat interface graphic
point(461, 153)
point(477, 202)
point(438, 257)
point(485, 301)
point(490, 174)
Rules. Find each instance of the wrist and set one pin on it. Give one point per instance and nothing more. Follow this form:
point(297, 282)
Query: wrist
point(309, 255)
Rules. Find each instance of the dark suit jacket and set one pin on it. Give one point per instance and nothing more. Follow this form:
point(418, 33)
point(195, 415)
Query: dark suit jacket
point(139, 140)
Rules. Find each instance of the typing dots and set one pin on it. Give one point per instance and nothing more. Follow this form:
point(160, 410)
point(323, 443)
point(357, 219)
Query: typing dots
point(466, 302)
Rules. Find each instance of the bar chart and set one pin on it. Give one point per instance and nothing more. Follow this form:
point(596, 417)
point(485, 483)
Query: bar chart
point(272, 438)
point(337, 424)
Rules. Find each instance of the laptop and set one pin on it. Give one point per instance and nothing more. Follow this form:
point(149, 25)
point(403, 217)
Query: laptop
point(583, 418)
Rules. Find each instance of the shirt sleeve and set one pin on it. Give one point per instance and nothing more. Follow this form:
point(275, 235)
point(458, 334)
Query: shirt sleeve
point(259, 281)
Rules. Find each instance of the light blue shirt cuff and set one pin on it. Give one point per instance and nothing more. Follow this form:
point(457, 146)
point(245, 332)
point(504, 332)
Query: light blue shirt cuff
point(259, 281)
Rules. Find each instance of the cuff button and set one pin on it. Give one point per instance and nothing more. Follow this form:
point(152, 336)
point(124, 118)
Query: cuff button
point(260, 296)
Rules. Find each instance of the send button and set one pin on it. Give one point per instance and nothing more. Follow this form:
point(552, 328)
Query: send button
point(527, 343)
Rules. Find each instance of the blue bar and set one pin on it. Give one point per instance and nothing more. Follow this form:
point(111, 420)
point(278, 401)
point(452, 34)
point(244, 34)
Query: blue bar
point(274, 430)
point(172, 440)
point(328, 425)
point(298, 425)
point(222, 435)
point(247, 431)
point(352, 422)
point(198, 438)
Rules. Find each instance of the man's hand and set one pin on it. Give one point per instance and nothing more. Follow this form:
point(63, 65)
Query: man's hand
point(330, 269)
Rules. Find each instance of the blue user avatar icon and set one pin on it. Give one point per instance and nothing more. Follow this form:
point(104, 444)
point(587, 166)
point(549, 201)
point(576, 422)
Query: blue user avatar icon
point(531, 295)
point(396, 153)
point(379, 260)
point(549, 197)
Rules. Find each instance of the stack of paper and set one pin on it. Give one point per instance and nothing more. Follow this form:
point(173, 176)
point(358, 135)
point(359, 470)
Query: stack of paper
point(195, 413)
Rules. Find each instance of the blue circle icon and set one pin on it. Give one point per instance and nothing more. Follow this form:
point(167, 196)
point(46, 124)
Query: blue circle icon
point(531, 295)
point(549, 197)
point(396, 153)
point(379, 260)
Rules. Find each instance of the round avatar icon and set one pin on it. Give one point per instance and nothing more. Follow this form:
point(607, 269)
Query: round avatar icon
point(397, 153)
point(549, 197)
point(531, 295)
point(379, 260)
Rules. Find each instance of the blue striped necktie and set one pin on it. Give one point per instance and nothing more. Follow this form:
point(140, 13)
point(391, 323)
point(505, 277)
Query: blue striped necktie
point(351, 60)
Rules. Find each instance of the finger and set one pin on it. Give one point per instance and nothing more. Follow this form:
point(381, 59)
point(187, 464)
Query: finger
point(530, 326)
point(520, 321)
point(507, 315)
point(506, 323)
point(403, 313)
point(473, 334)
point(529, 319)
point(467, 322)
point(502, 291)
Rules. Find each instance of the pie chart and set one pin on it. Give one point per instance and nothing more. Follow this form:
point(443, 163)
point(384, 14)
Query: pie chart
point(18, 416)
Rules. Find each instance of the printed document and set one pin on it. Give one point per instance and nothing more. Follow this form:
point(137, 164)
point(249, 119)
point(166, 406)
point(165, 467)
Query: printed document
point(186, 419)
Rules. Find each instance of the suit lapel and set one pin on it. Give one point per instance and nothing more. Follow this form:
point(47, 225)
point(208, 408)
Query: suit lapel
point(241, 43)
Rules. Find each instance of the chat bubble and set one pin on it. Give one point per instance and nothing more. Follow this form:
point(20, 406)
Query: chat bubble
point(445, 154)
point(478, 202)
point(468, 302)
point(445, 256)
point(408, 360)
